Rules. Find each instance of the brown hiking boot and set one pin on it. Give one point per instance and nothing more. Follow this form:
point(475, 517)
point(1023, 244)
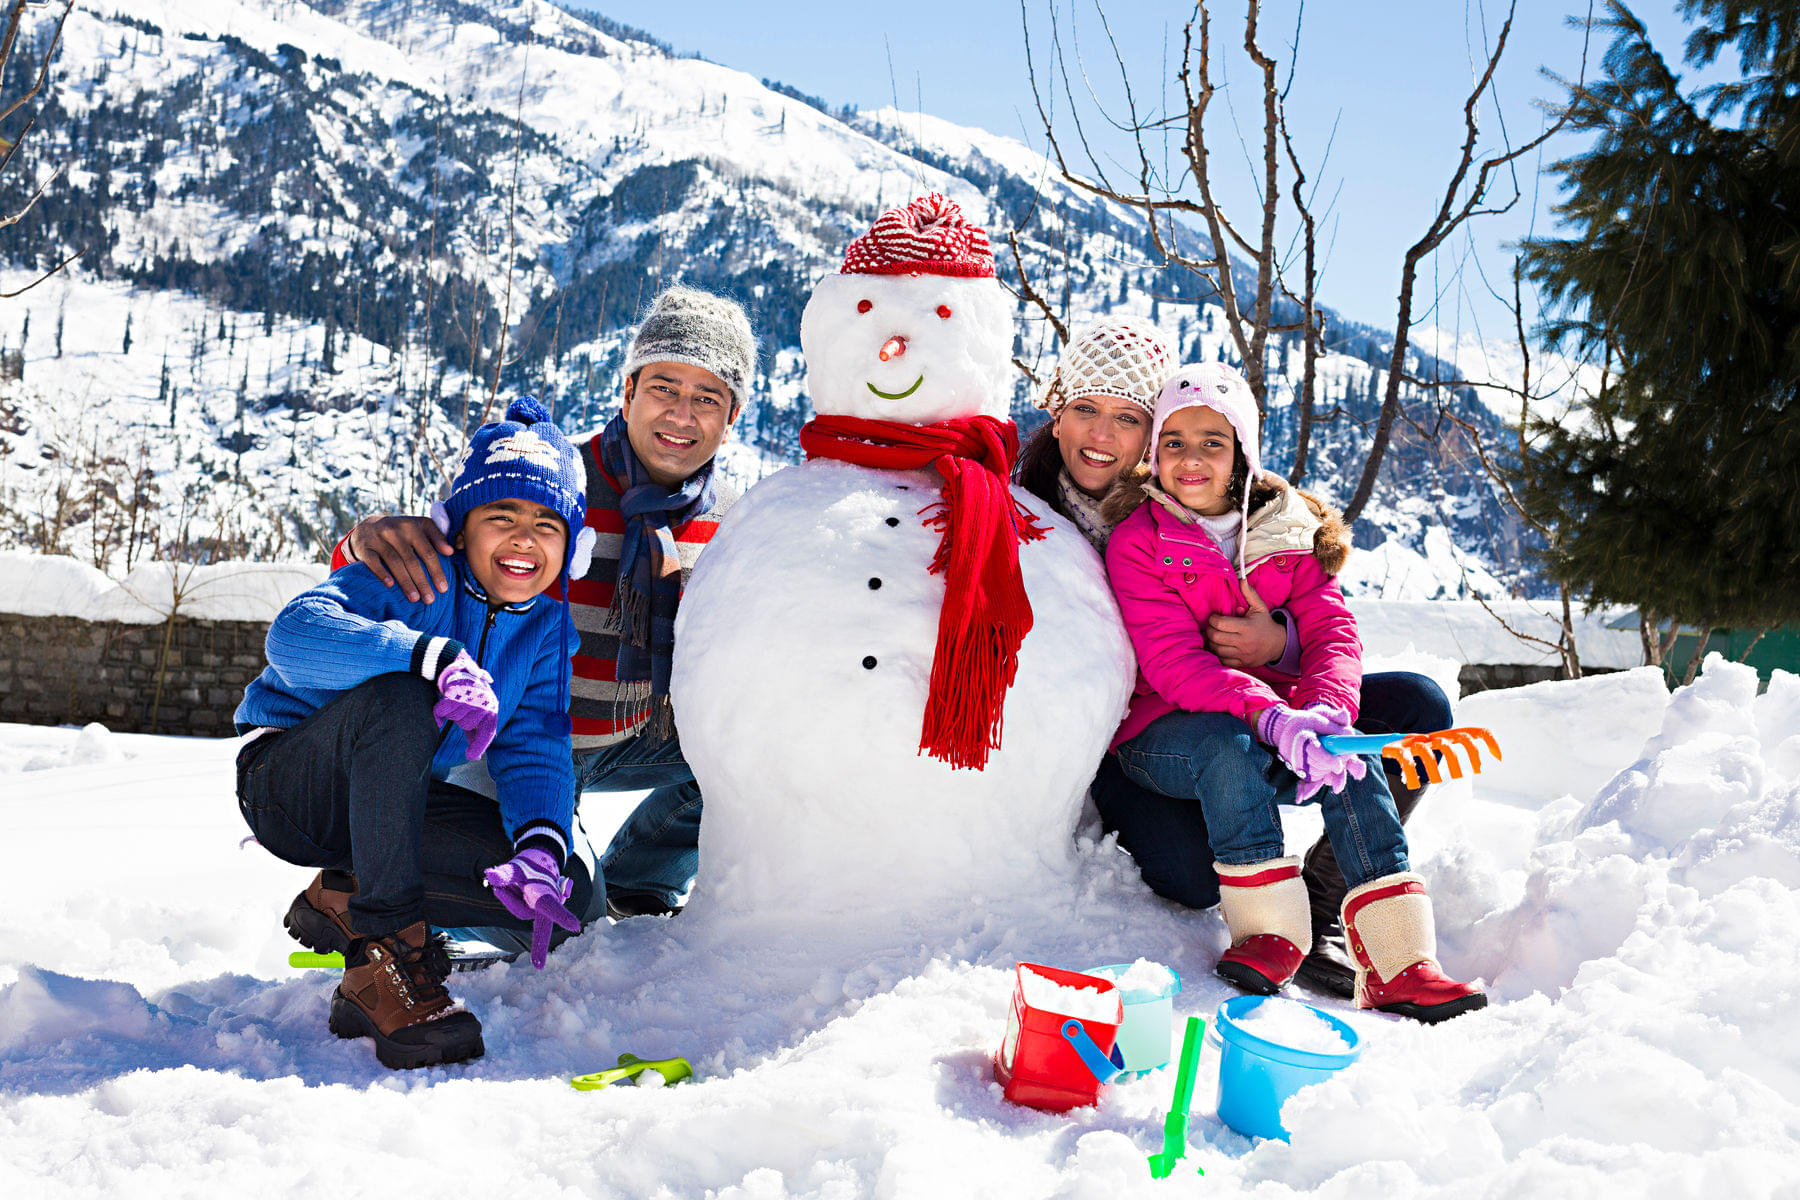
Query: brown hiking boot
point(393, 992)
point(319, 917)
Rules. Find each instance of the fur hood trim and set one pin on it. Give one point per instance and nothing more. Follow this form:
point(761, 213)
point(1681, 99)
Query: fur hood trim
point(1286, 520)
point(1283, 519)
point(1125, 494)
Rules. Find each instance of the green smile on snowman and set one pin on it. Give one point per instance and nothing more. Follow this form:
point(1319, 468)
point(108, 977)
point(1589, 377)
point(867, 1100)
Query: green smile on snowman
point(896, 395)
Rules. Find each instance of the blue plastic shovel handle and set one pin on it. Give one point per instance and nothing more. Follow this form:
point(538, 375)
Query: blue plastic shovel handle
point(1358, 743)
point(1104, 1068)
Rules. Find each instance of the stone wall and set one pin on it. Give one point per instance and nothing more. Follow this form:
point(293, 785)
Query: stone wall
point(67, 671)
point(63, 670)
point(1482, 677)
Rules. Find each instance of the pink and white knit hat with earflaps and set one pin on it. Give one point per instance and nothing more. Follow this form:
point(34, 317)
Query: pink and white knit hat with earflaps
point(1117, 356)
point(1221, 388)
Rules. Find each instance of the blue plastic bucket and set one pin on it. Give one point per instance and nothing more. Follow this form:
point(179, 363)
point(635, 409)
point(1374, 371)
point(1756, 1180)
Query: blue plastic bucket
point(1144, 1038)
point(1256, 1076)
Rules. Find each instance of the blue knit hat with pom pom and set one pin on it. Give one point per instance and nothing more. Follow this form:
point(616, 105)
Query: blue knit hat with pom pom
point(522, 456)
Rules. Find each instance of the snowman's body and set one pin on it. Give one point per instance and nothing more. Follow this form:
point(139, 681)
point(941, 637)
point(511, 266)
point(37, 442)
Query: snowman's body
point(805, 640)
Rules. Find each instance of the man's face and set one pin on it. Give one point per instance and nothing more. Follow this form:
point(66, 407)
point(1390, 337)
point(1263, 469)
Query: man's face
point(676, 415)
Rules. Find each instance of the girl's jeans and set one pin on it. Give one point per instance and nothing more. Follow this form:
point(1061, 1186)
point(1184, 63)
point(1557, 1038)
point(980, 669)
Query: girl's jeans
point(350, 788)
point(1212, 763)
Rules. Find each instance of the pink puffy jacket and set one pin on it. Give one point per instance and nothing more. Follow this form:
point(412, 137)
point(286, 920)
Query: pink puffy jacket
point(1169, 577)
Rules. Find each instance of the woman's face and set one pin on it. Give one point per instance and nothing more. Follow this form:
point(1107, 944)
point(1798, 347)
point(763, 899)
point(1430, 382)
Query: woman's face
point(1100, 436)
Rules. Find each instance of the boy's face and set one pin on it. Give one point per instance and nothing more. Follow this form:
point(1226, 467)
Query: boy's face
point(676, 414)
point(515, 548)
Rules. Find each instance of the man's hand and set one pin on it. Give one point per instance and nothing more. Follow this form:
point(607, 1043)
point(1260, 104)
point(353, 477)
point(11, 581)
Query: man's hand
point(1253, 640)
point(403, 549)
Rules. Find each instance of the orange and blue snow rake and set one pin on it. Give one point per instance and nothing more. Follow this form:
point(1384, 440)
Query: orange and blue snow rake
point(1403, 748)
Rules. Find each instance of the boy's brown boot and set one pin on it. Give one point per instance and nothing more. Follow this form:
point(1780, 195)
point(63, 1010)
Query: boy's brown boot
point(319, 917)
point(393, 992)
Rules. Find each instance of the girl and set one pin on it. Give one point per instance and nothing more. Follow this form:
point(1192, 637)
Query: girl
point(1220, 536)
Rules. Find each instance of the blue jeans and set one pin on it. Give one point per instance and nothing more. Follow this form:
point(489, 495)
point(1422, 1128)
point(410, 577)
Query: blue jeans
point(1167, 831)
point(657, 850)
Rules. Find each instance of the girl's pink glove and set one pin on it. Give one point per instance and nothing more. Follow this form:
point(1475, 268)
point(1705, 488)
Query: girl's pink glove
point(1294, 735)
point(533, 889)
point(468, 703)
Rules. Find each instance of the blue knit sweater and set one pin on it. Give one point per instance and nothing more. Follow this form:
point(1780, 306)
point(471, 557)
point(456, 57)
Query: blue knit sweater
point(352, 628)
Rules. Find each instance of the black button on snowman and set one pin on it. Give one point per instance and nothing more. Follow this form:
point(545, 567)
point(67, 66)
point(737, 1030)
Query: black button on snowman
point(894, 673)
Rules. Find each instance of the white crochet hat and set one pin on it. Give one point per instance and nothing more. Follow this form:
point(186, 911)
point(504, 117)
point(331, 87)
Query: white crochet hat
point(1117, 356)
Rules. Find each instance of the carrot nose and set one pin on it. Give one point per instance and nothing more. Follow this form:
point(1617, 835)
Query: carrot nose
point(893, 348)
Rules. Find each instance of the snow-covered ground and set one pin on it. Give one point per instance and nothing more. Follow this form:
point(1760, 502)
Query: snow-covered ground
point(1627, 880)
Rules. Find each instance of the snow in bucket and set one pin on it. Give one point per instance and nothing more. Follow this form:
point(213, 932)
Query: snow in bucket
point(1148, 990)
point(1270, 1048)
point(1059, 1034)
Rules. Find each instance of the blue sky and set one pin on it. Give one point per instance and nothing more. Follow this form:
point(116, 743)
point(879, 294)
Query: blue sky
point(1392, 78)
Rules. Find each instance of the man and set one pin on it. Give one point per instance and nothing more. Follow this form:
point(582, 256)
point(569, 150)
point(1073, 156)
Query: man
point(653, 502)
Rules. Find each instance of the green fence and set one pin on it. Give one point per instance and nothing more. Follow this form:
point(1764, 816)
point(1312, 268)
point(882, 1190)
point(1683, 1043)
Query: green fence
point(1779, 649)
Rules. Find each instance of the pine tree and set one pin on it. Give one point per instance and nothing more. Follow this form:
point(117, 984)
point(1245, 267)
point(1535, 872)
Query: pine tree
point(1680, 275)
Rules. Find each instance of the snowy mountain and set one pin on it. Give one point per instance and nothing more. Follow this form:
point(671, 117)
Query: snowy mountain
point(319, 237)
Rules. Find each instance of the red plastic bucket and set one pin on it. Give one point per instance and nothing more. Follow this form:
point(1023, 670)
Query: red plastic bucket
point(1041, 1065)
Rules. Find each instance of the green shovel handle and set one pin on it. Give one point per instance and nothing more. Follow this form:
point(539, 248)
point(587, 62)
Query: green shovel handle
point(1190, 1062)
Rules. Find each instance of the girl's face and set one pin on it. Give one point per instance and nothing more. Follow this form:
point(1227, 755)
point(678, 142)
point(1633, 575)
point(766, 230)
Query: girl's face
point(1194, 456)
point(1099, 437)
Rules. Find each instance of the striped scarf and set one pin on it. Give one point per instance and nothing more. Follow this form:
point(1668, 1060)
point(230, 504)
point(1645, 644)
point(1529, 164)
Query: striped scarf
point(649, 583)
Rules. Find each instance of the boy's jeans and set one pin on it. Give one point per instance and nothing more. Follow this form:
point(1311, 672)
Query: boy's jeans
point(656, 852)
point(350, 788)
point(1213, 758)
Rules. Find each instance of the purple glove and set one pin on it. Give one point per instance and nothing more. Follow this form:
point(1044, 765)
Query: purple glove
point(1294, 735)
point(468, 703)
point(1338, 718)
point(533, 889)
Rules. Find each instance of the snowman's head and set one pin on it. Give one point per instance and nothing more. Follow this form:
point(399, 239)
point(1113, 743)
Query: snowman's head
point(916, 328)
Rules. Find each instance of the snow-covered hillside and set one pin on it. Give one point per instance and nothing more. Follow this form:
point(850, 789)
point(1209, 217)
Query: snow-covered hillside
point(320, 235)
point(1627, 881)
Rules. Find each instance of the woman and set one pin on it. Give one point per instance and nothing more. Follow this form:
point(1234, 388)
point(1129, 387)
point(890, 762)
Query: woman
point(1101, 401)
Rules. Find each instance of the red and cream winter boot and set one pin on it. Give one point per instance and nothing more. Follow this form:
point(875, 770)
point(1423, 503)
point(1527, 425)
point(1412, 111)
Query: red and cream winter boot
point(1271, 926)
point(1394, 942)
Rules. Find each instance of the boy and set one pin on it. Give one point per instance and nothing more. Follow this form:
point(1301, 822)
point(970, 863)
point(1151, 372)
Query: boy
point(346, 763)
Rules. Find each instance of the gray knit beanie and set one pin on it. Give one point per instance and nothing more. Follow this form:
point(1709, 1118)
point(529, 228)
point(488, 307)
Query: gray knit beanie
point(687, 325)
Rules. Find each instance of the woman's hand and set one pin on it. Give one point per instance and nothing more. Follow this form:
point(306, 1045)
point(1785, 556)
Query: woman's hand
point(404, 549)
point(1255, 639)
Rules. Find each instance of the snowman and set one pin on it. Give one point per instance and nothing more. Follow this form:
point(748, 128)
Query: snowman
point(895, 674)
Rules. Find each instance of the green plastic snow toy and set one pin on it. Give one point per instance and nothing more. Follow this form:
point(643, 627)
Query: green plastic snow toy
point(1175, 1125)
point(673, 1070)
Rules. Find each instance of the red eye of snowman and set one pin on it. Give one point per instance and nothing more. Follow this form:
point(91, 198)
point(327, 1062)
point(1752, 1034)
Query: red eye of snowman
point(944, 311)
point(863, 306)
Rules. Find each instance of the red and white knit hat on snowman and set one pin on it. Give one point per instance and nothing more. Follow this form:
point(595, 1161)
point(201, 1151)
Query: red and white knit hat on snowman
point(927, 237)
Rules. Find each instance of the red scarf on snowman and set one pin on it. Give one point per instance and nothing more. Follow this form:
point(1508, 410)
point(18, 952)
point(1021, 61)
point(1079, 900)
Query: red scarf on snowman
point(986, 613)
